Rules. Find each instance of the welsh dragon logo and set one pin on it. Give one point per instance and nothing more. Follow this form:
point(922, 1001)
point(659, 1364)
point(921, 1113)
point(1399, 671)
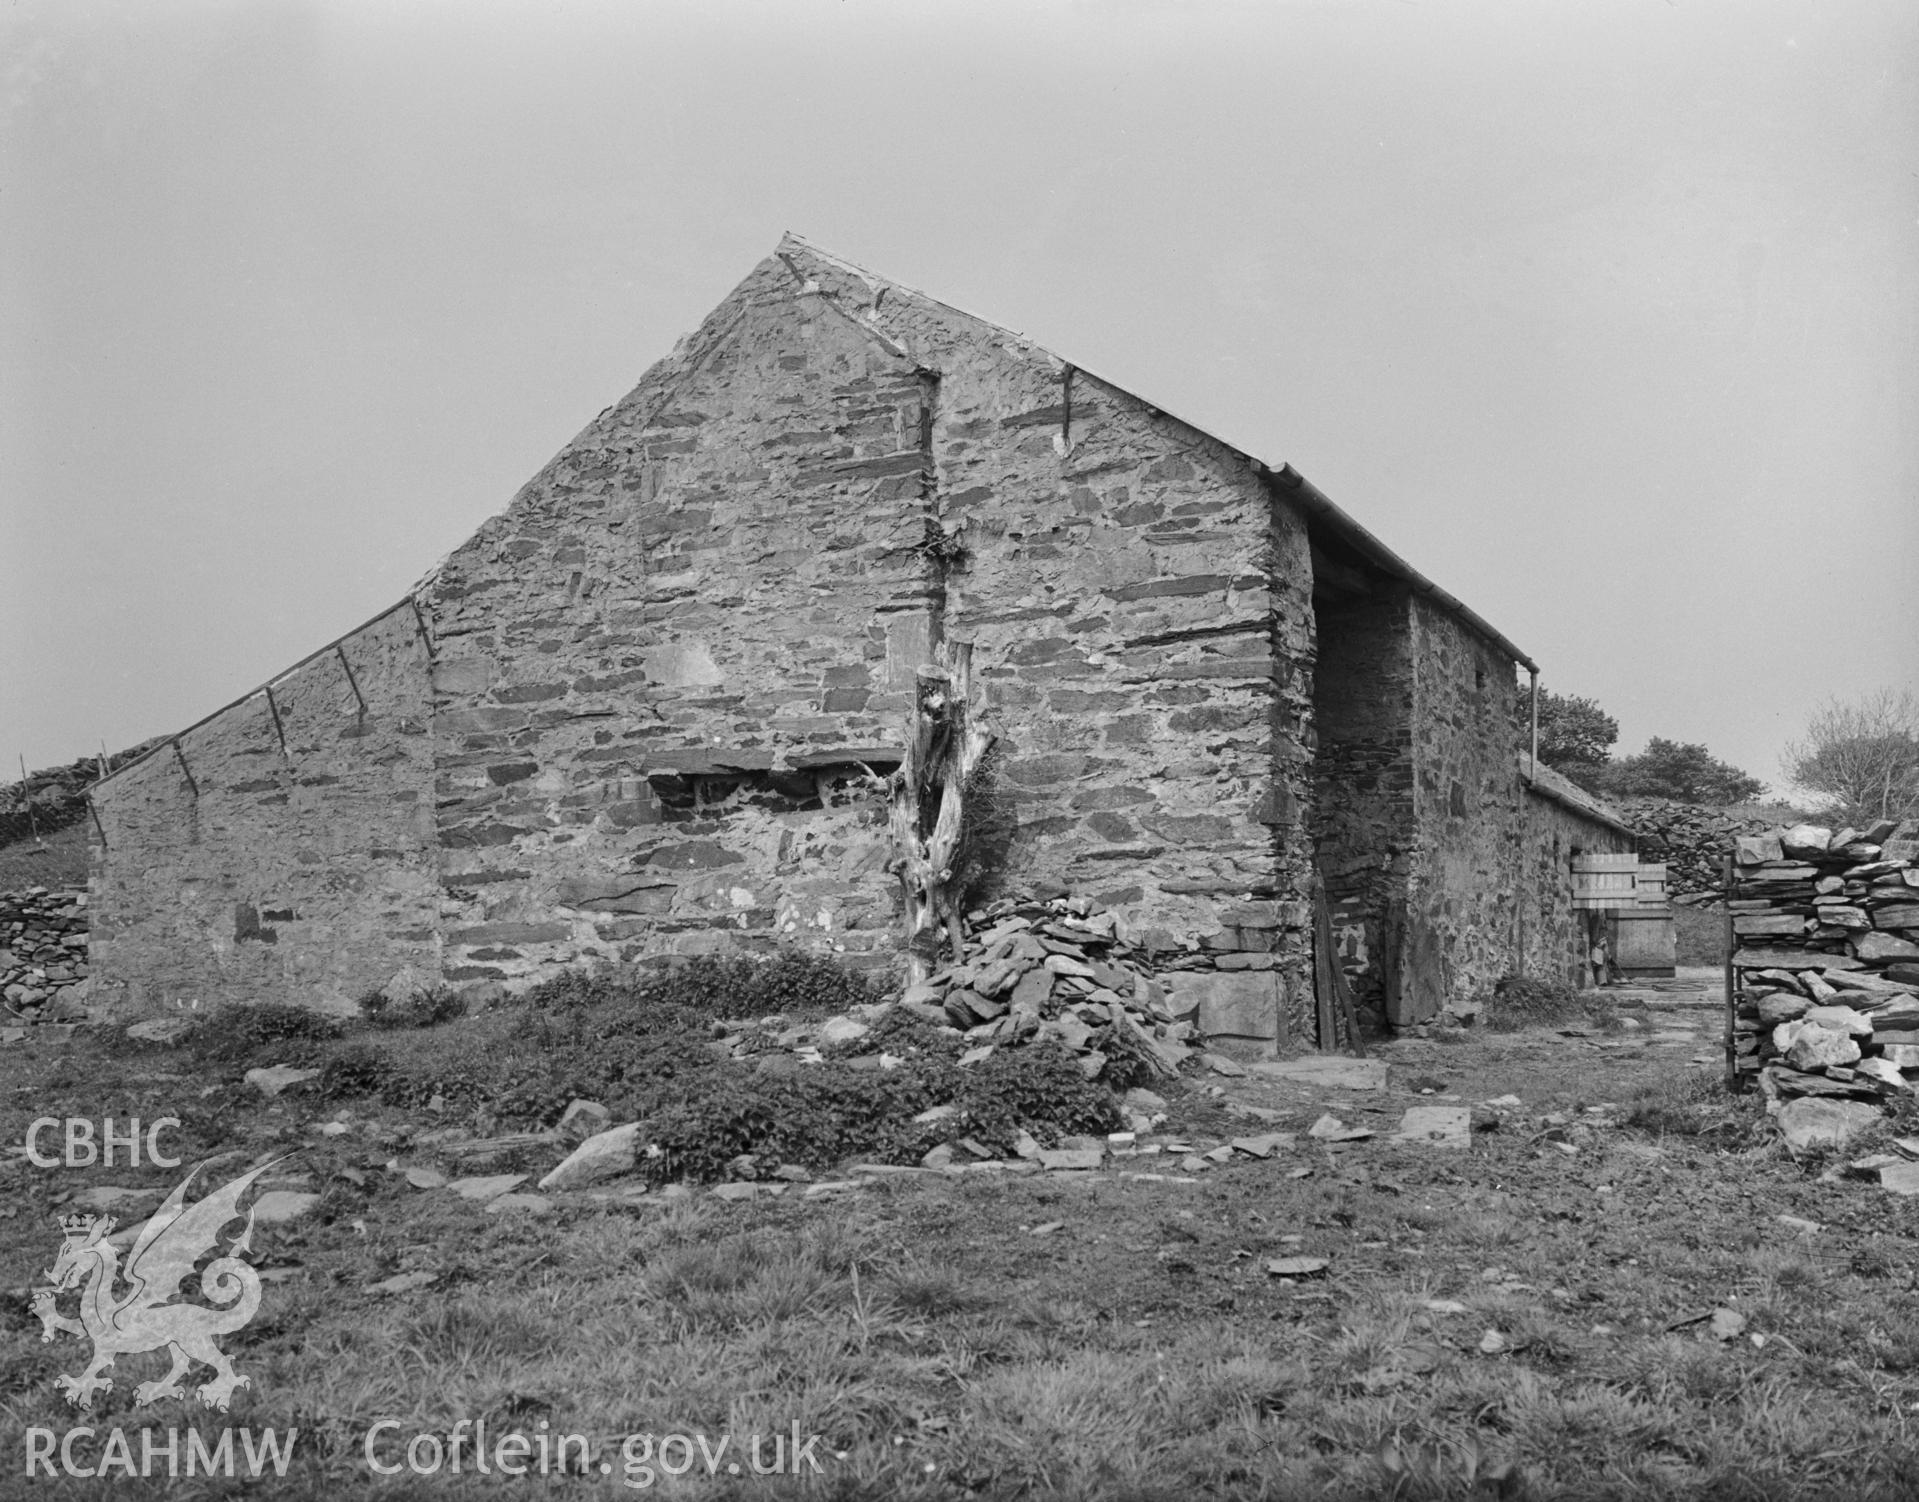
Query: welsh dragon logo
point(146, 1316)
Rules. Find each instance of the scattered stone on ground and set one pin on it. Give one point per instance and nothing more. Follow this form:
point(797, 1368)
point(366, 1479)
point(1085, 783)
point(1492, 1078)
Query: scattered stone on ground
point(405, 1283)
point(604, 1155)
point(1435, 1126)
point(278, 1205)
point(1328, 1071)
point(525, 1204)
point(276, 1079)
point(1810, 1122)
point(582, 1118)
point(165, 1031)
point(745, 1190)
point(487, 1187)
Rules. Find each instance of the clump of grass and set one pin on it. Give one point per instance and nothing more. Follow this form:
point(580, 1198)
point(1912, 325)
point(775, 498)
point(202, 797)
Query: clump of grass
point(933, 1292)
point(1517, 1003)
point(746, 1279)
point(459, 1331)
point(1698, 1105)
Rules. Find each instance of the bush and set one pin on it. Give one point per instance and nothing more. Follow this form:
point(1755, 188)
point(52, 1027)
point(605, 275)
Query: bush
point(897, 1031)
point(580, 991)
point(358, 1069)
point(632, 1075)
point(1039, 1088)
point(240, 1034)
point(816, 1118)
point(1129, 1061)
point(821, 1115)
point(790, 983)
point(422, 1009)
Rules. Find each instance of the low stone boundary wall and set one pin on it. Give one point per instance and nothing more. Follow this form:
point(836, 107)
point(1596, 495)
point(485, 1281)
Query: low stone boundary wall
point(43, 952)
point(1825, 964)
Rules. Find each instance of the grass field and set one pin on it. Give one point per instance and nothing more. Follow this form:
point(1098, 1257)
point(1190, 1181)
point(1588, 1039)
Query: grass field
point(1529, 1317)
point(60, 860)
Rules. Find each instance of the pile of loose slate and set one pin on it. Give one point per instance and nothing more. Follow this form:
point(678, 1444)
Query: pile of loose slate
point(1061, 970)
point(1034, 971)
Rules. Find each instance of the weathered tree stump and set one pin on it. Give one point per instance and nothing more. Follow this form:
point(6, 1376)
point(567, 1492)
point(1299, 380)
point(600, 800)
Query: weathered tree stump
point(944, 743)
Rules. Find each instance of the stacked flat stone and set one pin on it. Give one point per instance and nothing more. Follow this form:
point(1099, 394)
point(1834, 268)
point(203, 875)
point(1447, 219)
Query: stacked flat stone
point(1826, 960)
point(43, 951)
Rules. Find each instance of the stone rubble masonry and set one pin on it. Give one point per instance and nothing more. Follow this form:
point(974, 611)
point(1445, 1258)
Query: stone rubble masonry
point(1363, 777)
point(1438, 861)
point(283, 848)
point(1552, 930)
point(1467, 804)
point(649, 708)
point(44, 964)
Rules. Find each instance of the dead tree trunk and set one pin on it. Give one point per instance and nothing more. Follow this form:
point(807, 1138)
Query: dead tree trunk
point(944, 743)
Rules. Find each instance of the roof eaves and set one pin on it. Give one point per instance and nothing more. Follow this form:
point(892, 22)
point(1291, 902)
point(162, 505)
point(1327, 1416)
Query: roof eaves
point(1318, 503)
point(1553, 786)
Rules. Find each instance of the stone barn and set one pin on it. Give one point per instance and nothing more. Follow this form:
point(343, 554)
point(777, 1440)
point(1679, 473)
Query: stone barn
point(650, 707)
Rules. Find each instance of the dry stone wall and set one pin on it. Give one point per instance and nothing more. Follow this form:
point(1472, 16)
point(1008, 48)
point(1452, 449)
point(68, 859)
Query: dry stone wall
point(43, 953)
point(1826, 959)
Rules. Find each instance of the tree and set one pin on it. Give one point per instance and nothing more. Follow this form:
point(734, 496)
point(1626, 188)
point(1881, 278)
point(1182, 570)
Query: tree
point(1685, 772)
point(1863, 755)
point(1575, 735)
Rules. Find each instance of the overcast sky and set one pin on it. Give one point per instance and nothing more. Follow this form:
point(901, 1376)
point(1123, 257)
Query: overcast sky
point(1604, 316)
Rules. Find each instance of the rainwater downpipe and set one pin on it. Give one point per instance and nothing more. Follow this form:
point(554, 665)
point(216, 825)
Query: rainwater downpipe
point(1532, 776)
point(1532, 769)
